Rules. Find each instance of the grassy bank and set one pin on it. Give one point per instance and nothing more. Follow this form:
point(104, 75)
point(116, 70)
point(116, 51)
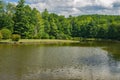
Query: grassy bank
point(30, 41)
point(52, 41)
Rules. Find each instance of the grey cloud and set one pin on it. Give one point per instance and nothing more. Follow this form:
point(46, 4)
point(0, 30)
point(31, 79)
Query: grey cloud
point(77, 7)
point(116, 4)
point(92, 8)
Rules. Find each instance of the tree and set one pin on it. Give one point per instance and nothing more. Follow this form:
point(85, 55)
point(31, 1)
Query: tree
point(53, 29)
point(111, 32)
point(45, 14)
point(10, 11)
point(101, 33)
point(74, 31)
point(1, 13)
point(20, 26)
point(7, 22)
point(27, 19)
point(1, 7)
point(46, 27)
point(37, 22)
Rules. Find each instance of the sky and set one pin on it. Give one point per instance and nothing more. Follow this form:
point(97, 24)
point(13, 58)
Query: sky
point(76, 7)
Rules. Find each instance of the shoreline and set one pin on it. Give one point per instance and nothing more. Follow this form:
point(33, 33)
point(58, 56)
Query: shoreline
point(51, 41)
point(38, 41)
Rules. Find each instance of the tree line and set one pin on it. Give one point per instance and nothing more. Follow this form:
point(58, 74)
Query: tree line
point(29, 23)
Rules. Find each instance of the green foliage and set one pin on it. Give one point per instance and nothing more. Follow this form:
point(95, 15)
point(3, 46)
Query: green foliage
point(35, 37)
point(1, 36)
point(45, 36)
point(30, 23)
point(63, 36)
point(37, 22)
point(15, 37)
point(6, 33)
point(21, 20)
point(6, 20)
point(1, 6)
point(52, 37)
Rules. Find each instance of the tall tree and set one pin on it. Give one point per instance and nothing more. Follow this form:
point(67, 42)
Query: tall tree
point(1, 6)
point(45, 14)
point(20, 26)
point(37, 22)
point(10, 9)
point(1, 13)
point(6, 20)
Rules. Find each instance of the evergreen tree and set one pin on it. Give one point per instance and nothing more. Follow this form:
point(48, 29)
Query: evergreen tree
point(20, 26)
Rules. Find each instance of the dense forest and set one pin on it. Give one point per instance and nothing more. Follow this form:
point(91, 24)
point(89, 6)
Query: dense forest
point(29, 23)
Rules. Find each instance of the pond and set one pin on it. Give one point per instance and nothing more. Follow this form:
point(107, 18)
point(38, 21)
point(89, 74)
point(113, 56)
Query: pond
point(77, 61)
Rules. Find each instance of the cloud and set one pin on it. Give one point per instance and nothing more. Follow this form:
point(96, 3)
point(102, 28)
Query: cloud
point(77, 7)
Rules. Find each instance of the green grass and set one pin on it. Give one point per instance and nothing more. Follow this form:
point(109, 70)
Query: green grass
point(46, 41)
point(49, 41)
point(8, 40)
point(39, 41)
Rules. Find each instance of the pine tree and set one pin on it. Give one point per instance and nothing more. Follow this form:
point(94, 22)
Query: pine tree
point(20, 26)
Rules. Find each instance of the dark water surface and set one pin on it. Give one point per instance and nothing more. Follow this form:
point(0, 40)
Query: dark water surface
point(81, 61)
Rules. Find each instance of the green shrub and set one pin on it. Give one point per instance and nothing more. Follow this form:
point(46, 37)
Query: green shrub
point(52, 37)
point(1, 36)
point(63, 36)
point(45, 36)
point(77, 38)
point(6, 33)
point(15, 37)
point(35, 37)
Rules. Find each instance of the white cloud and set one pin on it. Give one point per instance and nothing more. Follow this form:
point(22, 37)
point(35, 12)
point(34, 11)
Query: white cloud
point(77, 7)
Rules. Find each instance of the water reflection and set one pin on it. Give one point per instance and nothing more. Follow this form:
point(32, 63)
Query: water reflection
point(85, 61)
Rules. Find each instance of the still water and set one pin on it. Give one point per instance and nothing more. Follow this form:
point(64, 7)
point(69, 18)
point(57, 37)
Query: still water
point(81, 61)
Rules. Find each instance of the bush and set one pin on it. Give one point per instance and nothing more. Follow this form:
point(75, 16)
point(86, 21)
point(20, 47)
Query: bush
point(62, 36)
point(52, 37)
point(15, 37)
point(45, 36)
point(6, 33)
point(77, 38)
point(0, 36)
point(35, 37)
